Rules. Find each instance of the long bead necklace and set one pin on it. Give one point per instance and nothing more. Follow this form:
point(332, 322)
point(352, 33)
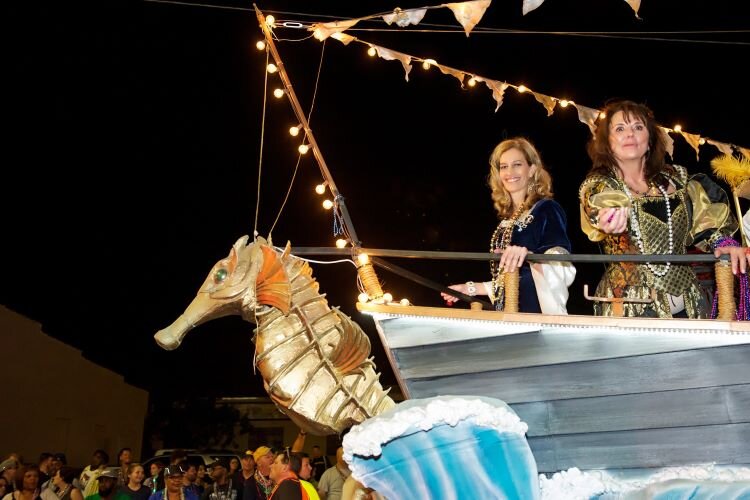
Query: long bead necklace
point(61, 494)
point(503, 233)
point(637, 229)
point(265, 484)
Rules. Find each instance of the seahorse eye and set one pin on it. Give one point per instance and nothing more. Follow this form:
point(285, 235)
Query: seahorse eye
point(220, 275)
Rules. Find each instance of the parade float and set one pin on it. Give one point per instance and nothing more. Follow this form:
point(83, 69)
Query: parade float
point(499, 404)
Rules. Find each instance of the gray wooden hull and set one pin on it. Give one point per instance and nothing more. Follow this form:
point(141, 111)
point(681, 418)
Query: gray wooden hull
point(597, 393)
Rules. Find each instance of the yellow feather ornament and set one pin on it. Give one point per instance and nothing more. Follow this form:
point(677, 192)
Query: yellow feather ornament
point(735, 172)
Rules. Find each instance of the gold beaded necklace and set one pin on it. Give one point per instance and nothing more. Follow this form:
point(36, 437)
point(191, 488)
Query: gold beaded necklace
point(499, 241)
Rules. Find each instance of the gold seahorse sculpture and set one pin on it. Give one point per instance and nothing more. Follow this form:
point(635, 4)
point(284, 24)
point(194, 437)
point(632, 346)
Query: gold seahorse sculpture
point(313, 358)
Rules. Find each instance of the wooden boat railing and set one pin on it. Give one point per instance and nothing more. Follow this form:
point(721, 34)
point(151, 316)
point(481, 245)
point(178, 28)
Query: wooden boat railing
point(722, 271)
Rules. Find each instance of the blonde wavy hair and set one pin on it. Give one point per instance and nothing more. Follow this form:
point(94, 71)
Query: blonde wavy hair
point(540, 184)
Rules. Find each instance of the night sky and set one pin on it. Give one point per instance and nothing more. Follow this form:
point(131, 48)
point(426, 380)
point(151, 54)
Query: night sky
point(134, 147)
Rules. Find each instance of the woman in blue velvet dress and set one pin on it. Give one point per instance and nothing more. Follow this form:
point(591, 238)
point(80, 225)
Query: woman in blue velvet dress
point(530, 221)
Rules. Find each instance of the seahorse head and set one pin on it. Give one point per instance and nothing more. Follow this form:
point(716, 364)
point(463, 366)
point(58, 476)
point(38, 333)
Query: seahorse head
point(250, 276)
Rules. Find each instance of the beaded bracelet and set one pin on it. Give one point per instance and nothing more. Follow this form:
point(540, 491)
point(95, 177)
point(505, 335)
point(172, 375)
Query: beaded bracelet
point(743, 309)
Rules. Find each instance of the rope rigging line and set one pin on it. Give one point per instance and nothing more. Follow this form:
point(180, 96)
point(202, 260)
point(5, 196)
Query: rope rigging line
point(299, 156)
point(262, 141)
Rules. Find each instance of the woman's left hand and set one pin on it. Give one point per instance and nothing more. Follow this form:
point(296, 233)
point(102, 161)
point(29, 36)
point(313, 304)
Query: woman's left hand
point(513, 257)
point(740, 257)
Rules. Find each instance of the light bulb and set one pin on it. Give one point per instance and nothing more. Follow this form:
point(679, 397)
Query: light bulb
point(678, 128)
point(404, 302)
point(327, 204)
point(522, 88)
point(429, 62)
point(341, 243)
point(564, 103)
point(294, 131)
point(270, 20)
point(701, 141)
point(387, 297)
point(271, 68)
point(363, 298)
point(303, 149)
point(472, 81)
point(260, 45)
point(363, 259)
point(320, 188)
point(278, 93)
point(371, 52)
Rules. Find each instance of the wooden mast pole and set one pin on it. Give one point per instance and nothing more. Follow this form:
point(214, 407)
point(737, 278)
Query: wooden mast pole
point(339, 199)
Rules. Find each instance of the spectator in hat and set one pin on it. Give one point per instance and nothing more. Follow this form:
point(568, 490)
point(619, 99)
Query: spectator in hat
point(8, 468)
point(223, 488)
point(174, 489)
point(90, 476)
point(247, 469)
point(58, 461)
point(263, 459)
point(45, 468)
point(107, 485)
point(134, 488)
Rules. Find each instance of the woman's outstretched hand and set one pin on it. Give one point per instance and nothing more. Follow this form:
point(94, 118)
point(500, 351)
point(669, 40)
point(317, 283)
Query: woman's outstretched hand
point(613, 220)
point(459, 287)
point(740, 257)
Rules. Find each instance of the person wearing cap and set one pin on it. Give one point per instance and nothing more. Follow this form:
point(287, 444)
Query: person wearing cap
point(223, 488)
point(107, 485)
point(247, 469)
point(174, 489)
point(8, 468)
point(263, 456)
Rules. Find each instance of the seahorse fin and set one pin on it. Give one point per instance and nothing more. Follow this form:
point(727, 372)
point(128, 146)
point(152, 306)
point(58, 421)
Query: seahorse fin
point(353, 347)
point(272, 286)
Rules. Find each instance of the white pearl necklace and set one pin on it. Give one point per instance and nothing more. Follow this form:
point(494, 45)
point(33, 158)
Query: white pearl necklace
point(637, 229)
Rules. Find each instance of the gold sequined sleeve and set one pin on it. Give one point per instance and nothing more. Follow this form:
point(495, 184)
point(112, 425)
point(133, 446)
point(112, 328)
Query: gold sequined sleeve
point(597, 192)
point(712, 218)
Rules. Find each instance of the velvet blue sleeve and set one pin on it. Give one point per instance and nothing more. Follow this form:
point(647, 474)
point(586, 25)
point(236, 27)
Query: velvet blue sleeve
point(550, 227)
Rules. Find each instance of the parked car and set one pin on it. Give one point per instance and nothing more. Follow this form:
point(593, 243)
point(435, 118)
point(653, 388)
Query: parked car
point(193, 456)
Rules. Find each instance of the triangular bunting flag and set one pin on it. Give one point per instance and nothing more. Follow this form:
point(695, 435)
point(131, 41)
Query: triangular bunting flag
point(721, 146)
point(392, 55)
point(668, 141)
point(635, 5)
point(469, 13)
point(695, 141)
point(589, 116)
point(529, 5)
point(497, 88)
point(547, 101)
point(460, 75)
point(405, 17)
point(343, 38)
point(321, 31)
